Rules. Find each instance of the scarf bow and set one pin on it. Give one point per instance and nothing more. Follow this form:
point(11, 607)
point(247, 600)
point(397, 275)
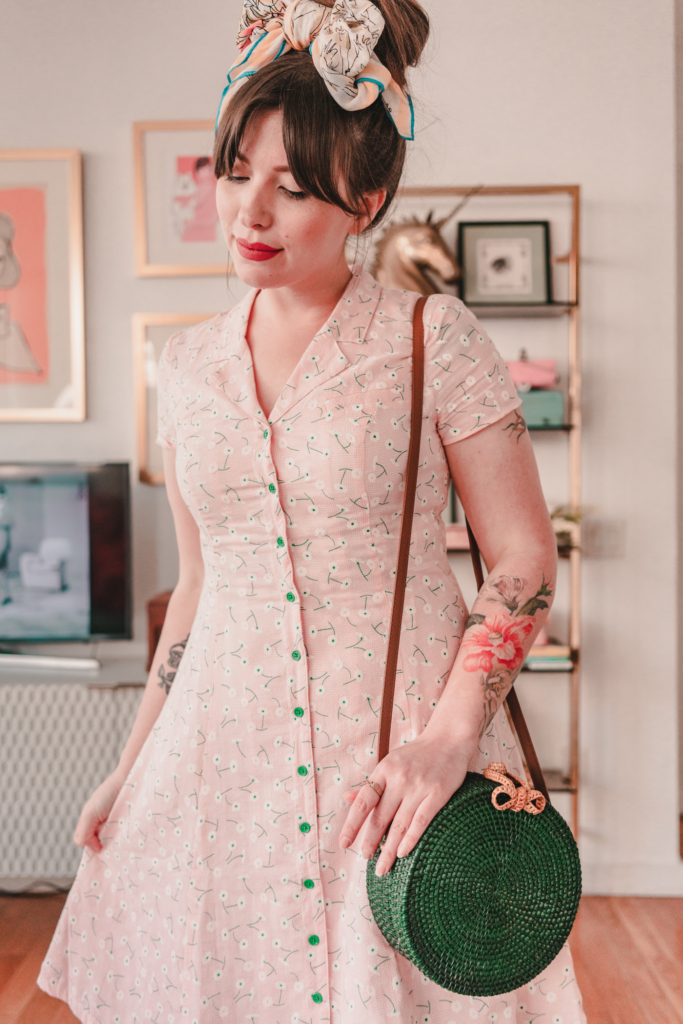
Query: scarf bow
point(341, 40)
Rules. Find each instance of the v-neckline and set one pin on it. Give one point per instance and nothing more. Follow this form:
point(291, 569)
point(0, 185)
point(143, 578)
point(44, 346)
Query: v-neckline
point(296, 372)
point(318, 365)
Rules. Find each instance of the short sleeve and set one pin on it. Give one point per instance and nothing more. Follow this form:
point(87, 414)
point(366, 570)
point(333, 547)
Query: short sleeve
point(467, 381)
point(166, 432)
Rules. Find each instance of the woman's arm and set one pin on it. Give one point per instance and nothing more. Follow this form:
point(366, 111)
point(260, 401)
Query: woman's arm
point(496, 477)
point(180, 615)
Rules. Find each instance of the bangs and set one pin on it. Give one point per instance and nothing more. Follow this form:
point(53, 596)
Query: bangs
point(328, 149)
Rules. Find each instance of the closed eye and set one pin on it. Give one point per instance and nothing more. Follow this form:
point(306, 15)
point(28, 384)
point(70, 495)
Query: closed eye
point(294, 195)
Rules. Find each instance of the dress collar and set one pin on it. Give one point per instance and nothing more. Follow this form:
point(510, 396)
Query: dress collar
point(322, 360)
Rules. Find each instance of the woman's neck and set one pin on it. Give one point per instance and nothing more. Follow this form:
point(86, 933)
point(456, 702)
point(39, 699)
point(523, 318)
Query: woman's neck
point(308, 300)
point(282, 324)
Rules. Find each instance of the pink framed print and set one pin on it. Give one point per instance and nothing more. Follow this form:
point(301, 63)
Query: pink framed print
point(42, 362)
point(177, 232)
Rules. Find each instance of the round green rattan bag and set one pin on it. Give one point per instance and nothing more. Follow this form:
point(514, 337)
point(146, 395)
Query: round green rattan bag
point(486, 899)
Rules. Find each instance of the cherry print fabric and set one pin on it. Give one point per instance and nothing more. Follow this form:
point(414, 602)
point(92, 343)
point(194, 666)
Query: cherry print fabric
point(221, 892)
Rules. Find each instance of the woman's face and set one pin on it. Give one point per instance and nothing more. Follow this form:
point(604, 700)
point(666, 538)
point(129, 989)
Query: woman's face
point(277, 235)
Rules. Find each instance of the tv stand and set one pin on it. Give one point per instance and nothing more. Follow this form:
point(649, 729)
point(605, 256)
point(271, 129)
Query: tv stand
point(47, 663)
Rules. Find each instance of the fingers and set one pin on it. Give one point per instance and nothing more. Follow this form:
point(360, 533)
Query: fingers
point(363, 802)
point(400, 823)
point(408, 820)
point(91, 842)
point(86, 834)
point(409, 824)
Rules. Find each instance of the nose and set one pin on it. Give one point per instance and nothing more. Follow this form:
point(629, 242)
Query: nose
point(254, 208)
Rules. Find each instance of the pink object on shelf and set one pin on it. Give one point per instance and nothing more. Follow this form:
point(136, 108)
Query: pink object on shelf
point(534, 373)
point(456, 537)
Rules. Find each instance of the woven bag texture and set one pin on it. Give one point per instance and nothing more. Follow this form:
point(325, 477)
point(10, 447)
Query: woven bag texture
point(486, 899)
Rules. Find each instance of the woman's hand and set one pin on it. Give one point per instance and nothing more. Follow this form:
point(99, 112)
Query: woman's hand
point(417, 780)
point(96, 812)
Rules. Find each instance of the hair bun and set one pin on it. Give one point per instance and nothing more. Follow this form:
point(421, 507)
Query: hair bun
point(406, 29)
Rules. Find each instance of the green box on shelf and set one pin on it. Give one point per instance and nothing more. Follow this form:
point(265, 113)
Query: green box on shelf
point(542, 407)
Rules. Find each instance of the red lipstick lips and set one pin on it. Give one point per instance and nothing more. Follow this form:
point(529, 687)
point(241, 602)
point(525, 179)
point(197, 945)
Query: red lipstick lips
point(256, 250)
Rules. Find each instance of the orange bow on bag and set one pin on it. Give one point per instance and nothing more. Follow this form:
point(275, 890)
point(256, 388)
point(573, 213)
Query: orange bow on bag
point(520, 796)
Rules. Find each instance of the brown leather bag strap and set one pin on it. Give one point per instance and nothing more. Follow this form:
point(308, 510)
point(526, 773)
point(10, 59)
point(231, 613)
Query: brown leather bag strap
point(512, 700)
point(406, 528)
point(402, 572)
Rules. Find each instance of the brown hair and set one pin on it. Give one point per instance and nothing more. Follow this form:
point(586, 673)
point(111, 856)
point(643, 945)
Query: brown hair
point(323, 141)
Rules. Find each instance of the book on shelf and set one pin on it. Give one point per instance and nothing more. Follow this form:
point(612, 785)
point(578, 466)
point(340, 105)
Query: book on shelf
point(547, 651)
point(456, 537)
point(549, 658)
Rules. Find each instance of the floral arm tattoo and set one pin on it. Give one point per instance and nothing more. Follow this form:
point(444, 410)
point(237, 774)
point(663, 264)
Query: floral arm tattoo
point(168, 674)
point(495, 644)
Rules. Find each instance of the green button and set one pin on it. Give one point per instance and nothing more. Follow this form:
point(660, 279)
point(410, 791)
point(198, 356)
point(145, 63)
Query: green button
point(313, 939)
point(280, 542)
point(309, 883)
point(304, 827)
point(290, 596)
point(296, 655)
point(271, 488)
point(302, 769)
point(299, 712)
point(316, 997)
point(265, 433)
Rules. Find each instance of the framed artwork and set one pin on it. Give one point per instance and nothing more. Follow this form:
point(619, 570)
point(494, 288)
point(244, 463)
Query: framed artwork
point(177, 231)
point(42, 353)
point(417, 246)
point(151, 331)
point(505, 263)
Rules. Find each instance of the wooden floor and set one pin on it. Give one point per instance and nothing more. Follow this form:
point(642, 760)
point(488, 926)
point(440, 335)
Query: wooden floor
point(628, 953)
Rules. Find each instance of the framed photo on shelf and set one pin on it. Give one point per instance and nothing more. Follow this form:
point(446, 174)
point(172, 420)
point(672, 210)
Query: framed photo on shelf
point(42, 352)
point(505, 263)
point(151, 331)
point(177, 231)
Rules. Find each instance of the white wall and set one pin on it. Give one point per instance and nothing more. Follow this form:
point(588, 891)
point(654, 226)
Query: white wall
point(531, 92)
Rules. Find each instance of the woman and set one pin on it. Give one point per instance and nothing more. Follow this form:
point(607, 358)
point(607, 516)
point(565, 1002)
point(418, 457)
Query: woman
point(224, 875)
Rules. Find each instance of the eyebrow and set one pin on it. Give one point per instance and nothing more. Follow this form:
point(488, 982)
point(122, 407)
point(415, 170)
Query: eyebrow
point(245, 160)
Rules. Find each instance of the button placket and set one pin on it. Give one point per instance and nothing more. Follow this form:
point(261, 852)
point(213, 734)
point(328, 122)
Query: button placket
point(307, 820)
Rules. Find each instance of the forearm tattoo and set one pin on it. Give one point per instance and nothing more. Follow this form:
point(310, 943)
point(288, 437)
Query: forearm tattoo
point(169, 670)
point(517, 428)
point(494, 644)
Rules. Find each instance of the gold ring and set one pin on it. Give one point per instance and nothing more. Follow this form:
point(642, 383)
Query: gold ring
point(375, 785)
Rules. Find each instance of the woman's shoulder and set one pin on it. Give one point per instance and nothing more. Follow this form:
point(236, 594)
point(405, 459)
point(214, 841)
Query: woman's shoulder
point(445, 316)
point(467, 383)
point(197, 341)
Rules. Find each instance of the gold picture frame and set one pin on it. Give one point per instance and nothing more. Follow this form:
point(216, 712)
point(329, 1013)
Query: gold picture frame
point(177, 233)
point(42, 338)
point(151, 331)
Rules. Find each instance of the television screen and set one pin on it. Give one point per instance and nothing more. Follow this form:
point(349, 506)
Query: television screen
point(64, 552)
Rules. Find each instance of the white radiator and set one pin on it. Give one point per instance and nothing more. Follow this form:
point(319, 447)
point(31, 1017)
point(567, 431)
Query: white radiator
point(58, 741)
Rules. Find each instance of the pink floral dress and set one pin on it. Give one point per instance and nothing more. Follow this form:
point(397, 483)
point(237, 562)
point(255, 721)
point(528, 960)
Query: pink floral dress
point(222, 892)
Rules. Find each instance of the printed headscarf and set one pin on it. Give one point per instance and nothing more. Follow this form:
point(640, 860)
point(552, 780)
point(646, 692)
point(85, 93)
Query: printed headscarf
point(341, 40)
